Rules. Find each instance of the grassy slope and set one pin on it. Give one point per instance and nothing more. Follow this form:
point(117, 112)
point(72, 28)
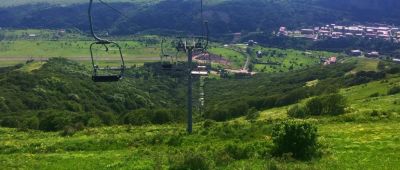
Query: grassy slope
point(366, 143)
point(374, 145)
point(359, 97)
point(236, 58)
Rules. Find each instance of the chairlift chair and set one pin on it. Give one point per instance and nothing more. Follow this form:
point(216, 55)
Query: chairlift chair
point(117, 72)
point(167, 61)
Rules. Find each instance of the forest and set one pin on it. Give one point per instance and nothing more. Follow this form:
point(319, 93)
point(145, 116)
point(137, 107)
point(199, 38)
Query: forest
point(230, 16)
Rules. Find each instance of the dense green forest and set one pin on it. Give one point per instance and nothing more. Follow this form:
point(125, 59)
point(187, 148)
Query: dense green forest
point(58, 117)
point(49, 92)
point(46, 94)
point(174, 16)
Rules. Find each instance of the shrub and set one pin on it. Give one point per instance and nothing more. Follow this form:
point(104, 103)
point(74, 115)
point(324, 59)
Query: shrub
point(252, 114)
point(292, 97)
point(138, 117)
point(107, 118)
point(394, 70)
point(298, 138)
point(394, 90)
point(94, 122)
point(219, 114)
point(11, 122)
point(191, 161)
point(332, 104)
point(374, 95)
point(363, 77)
point(222, 158)
point(31, 123)
point(161, 116)
point(208, 123)
point(314, 106)
point(174, 140)
point(297, 111)
point(3, 106)
point(68, 131)
point(236, 151)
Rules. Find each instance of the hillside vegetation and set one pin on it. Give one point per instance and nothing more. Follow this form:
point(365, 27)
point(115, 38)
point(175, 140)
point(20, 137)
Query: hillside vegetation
point(224, 16)
point(368, 130)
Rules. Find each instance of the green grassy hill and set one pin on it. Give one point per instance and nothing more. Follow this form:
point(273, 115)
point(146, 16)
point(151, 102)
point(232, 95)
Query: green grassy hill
point(85, 138)
point(347, 139)
point(122, 147)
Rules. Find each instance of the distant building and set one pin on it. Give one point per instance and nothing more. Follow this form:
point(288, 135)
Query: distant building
point(251, 43)
point(382, 31)
point(373, 54)
point(355, 52)
point(331, 60)
point(259, 54)
point(32, 35)
point(397, 60)
point(282, 29)
point(307, 31)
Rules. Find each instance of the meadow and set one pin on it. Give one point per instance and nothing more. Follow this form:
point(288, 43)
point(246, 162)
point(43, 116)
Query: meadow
point(345, 145)
point(275, 60)
point(365, 137)
point(122, 137)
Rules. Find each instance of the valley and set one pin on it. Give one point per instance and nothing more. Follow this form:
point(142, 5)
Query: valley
point(199, 85)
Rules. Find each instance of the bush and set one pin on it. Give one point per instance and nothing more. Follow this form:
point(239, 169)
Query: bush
point(394, 90)
point(191, 161)
point(68, 131)
point(3, 106)
point(297, 111)
point(220, 114)
point(236, 151)
point(314, 106)
point(107, 118)
point(11, 122)
point(298, 138)
point(161, 116)
point(208, 123)
point(94, 122)
point(31, 123)
point(138, 117)
point(252, 114)
point(332, 104)
point(374, 95)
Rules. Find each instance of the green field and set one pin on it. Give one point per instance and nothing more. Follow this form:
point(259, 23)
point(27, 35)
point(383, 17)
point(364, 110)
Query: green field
point(289, 59)
point(373, 145)
point(236, 58)
point(14, 52)
point(68, 2)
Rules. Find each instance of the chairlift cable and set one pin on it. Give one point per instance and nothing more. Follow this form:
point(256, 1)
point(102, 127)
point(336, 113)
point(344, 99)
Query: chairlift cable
point(114, 9)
